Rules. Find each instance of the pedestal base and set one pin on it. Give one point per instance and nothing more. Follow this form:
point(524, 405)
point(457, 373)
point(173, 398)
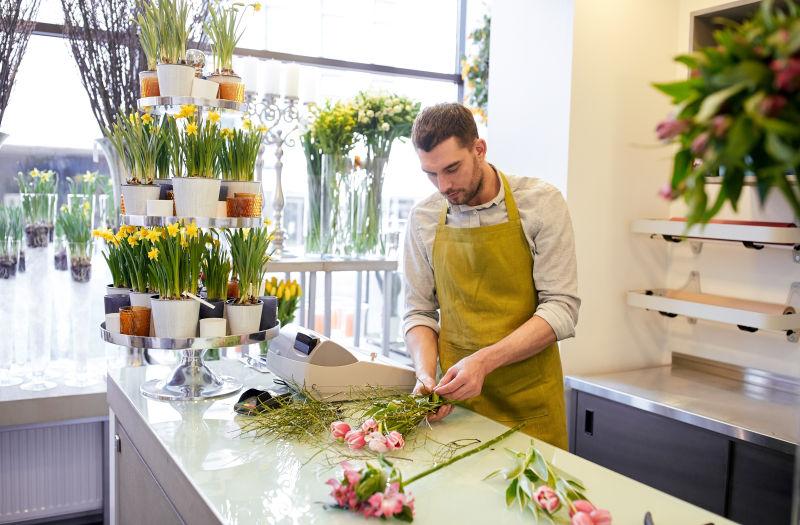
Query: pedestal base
point(191, 380)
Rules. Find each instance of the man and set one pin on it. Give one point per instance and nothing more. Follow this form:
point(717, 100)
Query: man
point(495, 255)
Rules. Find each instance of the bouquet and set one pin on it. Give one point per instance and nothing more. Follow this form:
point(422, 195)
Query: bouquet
point(288, 294)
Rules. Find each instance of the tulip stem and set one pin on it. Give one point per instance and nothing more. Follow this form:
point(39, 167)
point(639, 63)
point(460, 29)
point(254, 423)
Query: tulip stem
point(463, 455)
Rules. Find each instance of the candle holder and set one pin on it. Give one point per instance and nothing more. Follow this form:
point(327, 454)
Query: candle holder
point(283, 118)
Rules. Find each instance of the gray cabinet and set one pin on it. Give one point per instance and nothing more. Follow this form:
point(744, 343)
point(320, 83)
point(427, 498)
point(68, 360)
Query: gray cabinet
point(139, 497)
point(746, 483)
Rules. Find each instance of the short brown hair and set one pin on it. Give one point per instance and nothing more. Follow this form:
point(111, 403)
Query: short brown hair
point(435, 124)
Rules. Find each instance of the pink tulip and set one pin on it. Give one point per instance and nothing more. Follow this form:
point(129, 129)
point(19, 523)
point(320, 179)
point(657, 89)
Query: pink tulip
point(581, 518)
point(772, 105)
point(547, 499)
point(581, 505)
point(339, 430)
point(386, 504)
point(600, 517)
point(787, 73)
point(666, 192)
point(369, 426)
point(720, 125)
point(700, 143)
point(671, 128)
point(377, 442)
point(395, 440)
point(355, 439)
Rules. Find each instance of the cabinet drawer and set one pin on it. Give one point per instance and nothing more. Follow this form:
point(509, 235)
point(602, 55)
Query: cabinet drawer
point(760, 485)
point(679, 459)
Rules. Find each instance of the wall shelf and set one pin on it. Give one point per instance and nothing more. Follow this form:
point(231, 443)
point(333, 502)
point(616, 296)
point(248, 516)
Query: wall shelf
point(748, 316)
point(754, 235)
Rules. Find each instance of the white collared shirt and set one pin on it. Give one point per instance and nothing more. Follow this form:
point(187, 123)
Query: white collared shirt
point(548, 229)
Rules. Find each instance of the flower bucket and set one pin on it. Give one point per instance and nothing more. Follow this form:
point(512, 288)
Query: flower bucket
point(148, 84)
point(175, 318)
point(196, 196)
point(202, 88)
point(231, 86)
point(243, 318)
point(175, 80)
point(135, 197)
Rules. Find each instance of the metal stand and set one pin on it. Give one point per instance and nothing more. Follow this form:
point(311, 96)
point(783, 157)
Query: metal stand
point(191, 380)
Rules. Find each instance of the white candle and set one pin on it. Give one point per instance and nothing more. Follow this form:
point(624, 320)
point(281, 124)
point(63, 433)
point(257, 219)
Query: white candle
point(291, 81)
point(308, 85)
point(269, 74)
point(248, 69)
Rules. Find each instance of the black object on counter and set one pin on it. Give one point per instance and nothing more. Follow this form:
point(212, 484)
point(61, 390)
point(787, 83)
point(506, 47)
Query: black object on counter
point(269, 313)
point(305, 343)
point(255, 400)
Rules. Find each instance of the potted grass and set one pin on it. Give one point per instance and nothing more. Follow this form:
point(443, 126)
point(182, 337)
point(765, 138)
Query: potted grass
point(39, 197)
point(115, 260)
point(135, 138)
point(237, 158)
point(8, 262)
point(175, 269)
point(224, 28)
point(216, 268)
point(75, 223)
point(16, 231)
point(197, 193)
point(175, 77)
point(148, 38)
point(249, 252)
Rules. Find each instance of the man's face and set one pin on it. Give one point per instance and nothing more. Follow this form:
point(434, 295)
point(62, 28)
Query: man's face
point(455, 170)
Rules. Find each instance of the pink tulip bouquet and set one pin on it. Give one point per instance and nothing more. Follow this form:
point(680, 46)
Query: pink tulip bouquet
point(369, 434)
point(536, 487)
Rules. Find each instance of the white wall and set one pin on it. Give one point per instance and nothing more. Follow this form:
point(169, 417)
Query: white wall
point(531, 54)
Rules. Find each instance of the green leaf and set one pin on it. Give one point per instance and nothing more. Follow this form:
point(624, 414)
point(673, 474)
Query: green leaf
point(780, 127)
point(680, 90)
point(692, 60)
point(681, 166)
point(539, 467)
point(493, 474)
point(406, 515)
point(779, 150)
point(740, 139)
point(713, 102)
point(531, 476)
point(511, 493)
point(525, 486)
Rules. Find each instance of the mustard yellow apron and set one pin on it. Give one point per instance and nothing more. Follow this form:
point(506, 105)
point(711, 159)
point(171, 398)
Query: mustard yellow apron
point(485, 290)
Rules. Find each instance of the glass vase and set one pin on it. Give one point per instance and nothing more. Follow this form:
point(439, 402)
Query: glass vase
point(9, 258)
point(88, 202)
point(314, 213)
point(80, 260)
point(39, 317)
point(40, 216)
point(371, 223)
point(336, 171)
point(7, 312)
point(80, 314)
point(60, 258)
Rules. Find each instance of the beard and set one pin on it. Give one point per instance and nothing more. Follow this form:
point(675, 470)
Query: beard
point(467, 194)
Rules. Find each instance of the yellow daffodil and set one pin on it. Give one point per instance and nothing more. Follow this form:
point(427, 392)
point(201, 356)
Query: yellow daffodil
point(154, 235)
point(64, 208)
point(86, 206)
point(247, 124)
point(191, 129)
point(153, 254)
point(147, 118)
point(97, 233)
point(213, 116)
point(257, 7)
point(88, 177)
point(191, 230)
point(34, 173)
point(173, 229)
point(184, 242)
point(133, 241)
point(262, 128)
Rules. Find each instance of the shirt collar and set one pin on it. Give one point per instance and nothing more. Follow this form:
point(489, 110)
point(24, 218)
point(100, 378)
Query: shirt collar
point(500, 197)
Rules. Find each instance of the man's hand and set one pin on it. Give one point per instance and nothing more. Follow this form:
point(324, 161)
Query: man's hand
point(463, 380)
point(425, 386)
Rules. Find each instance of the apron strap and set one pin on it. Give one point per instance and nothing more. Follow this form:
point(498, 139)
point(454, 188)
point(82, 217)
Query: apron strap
point(511, 204)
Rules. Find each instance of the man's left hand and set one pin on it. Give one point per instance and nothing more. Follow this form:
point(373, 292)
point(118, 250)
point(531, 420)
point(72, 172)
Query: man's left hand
point(463, 380)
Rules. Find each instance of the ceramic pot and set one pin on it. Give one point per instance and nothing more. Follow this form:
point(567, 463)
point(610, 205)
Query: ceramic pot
point(113, 290)
point(135, 197)
point(243, 318)
point(159, 208)
point(269, 314)
point(202, 88)
point(175, 80)
point(209, 313)
point(114, 302)
point(141, 298)
point(175, 318)
point(196, 196)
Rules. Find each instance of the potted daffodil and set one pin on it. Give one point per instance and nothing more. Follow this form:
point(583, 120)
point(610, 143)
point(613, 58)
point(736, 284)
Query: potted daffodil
point(135, 137)
point(224, 28)
point(175, 77)
point(197, 194)
point(237, 157)
point(249, 251)
point(148, 38)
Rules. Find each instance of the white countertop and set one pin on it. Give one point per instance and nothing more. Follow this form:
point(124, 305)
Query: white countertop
point(245, 480)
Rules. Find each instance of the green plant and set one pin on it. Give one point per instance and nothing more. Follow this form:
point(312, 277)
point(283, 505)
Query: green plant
point(334, 128)
point(314, 171)
point(288, 294)
point(216, 269)
point(249, 253)
point(238, 152)
point(175, 256)
point(381, 119)
point(136, 139)
point(170, 159)
point(224, 29)
point(149, 32)
point(85, 184)
point(38, 189)
point(173, 30)
point(738, 113)
point(114, 257)
point(475, 69)
point(200, 144)
point(16, 226)
point(76, 223)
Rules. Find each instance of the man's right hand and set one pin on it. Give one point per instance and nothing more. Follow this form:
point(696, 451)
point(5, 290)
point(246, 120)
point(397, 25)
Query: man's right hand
point(425, 386)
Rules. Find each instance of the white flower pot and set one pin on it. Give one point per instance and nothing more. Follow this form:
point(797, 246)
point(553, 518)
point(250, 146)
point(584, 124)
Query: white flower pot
point(243, 318)
point(213, 327)
point(113, 290)
point(175, 318)
point(159, 208)
point(195, 196)
point(141, 298)
point(175, 80)
point(136, 197)
point(202, 88)
point(240, 186)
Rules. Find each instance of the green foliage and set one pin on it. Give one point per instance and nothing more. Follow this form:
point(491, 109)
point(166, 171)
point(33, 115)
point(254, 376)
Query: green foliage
point(738, 113)
point(475, 69)
point(334, 128)
point(216, 268)
point(249, 251)
point(238, 152)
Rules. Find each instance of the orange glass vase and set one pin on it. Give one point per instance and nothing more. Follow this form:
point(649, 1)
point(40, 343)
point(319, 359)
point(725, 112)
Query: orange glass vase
point(148, 84)
point(230, 86)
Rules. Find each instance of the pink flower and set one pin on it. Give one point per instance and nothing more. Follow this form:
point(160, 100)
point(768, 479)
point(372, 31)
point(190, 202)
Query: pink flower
point(581, 505)
point(700, 143)
point(720, 125)
point(581, 518)
point(671, 128)
point(547, 499)
point(345, 495)
point(787, 73)
point(377, 442)
point(386, 504)
point(355, 439)
point(394, 440)
point(339, 430)
point(600, 517)
point(666, 192)
point(352, 475)
point(369, 426)
point(772, 105)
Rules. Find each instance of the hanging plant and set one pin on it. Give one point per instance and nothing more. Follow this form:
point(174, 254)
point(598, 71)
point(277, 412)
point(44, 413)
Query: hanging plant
point(737, 114)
